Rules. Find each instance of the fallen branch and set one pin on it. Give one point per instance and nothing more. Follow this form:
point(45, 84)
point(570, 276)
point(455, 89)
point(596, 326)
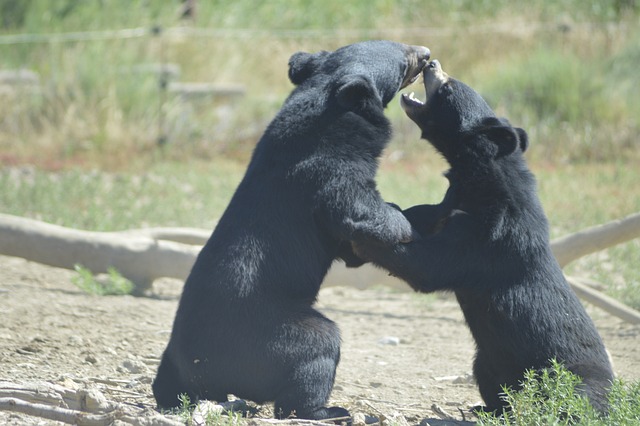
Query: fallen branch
point(58, 414)
point(86, 399)
point(138, 258)
point(143, 255)
point(604, 302)
point(192, 236)
point(571, 247)
point(87, 406)
point(441, 412)
point(291, 422)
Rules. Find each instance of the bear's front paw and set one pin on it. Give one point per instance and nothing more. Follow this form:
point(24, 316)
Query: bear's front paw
point(400, 228)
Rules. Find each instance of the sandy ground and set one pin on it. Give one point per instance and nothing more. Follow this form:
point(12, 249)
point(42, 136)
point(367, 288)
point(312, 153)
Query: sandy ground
point(402, 353)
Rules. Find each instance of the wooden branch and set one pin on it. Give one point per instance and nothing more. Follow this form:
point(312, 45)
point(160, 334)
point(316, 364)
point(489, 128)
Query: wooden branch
point(193, 236)
point(47, 393)
point(145, 254)
point(571, 247)
point(140, 259)
point(79, 407)
point(604, 302)
point(442, 413)
point(289, 422)
point(58, 414)
point(42, 394)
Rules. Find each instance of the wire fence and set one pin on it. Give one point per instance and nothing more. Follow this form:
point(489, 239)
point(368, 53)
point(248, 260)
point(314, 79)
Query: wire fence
point(129, 33)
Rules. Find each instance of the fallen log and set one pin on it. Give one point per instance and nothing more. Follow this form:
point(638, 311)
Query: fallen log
point(145, 254)
point(193, 236)
point(602, 301)
point(138, 258)
point(574, 246)
point(50, 394)
point(86, 406)
point(59, 414)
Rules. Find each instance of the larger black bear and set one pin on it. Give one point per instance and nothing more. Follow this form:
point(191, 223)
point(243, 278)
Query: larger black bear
point(488, 242)
point(245, 324)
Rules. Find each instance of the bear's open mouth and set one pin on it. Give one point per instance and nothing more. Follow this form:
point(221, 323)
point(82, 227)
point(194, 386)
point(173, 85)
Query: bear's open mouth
point(411, 100)
point(434, 78)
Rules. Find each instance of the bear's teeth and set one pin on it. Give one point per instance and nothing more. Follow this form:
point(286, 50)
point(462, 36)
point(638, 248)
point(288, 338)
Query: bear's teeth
point(412, 96)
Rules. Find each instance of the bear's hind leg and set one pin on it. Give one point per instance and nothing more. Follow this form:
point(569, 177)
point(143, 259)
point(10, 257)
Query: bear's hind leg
point(308, 391)
point(597, 378)
point(311, 348)
point(488, 386)
point(167, 386)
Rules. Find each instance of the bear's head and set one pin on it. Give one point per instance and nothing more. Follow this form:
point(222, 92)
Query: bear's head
point(360, 73)
point(456, 119)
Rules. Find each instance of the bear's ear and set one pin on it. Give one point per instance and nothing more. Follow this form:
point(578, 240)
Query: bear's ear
point(523, 137)
point(303, 64)
point(506, 137)
point(353, 89)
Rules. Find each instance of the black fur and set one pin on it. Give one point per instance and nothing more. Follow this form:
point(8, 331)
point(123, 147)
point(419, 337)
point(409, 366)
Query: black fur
point(245, 324)
point(488, 241)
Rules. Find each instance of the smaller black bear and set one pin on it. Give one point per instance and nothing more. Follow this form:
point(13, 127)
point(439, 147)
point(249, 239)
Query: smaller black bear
point(488, 241)
point(246, 324)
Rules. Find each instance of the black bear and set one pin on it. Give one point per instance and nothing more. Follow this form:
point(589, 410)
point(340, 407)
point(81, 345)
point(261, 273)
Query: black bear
point(488, 242)
point(245, 324)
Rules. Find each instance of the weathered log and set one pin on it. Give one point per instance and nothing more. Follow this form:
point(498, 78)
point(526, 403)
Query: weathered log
point(138, 258)
point(87, 406)
point(193, 236)
point(88, 399)
point(58, 414)
point(590, 240)
point(604, 302)
point(144, 255)
point(290, 422)
point(140, 255)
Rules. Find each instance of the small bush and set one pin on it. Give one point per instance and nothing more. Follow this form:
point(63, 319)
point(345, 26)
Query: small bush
point(187, 409)
point(571, 106)
point(113, 284)
point(551, 398)
point(555, 86)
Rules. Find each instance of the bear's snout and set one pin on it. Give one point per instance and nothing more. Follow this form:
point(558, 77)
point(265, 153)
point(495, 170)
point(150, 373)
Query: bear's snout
point(418, 57)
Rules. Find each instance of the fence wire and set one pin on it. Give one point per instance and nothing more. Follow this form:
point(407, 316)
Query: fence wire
point(129, 33)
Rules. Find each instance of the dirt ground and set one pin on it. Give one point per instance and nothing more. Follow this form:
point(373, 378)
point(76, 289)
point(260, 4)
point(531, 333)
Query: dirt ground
point(402, 353)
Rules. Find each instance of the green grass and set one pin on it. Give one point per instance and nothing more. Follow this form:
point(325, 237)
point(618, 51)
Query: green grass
point(583, 195)
point(167, 195)
point(577, 91)
point(113, 284)
point(81, 151)
point(195, 194)
point(187, 408)
point(550, 398)
point(575, 110)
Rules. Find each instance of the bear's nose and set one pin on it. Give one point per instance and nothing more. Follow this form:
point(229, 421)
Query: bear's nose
point(423, 52)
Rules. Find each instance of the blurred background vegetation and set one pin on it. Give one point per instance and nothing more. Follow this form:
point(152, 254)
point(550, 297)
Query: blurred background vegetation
point(99, 130)
point(564, 69)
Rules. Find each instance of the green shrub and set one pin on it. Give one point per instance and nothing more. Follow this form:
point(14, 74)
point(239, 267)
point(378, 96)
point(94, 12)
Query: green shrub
point(570, 104)
point(210, 418)
point(551, 398)
point(551, 85)
point(113, 284)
